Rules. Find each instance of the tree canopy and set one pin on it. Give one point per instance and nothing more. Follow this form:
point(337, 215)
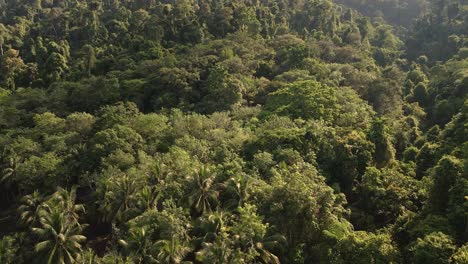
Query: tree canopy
point(209, 131)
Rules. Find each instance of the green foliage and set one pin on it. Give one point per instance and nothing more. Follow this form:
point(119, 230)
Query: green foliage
point(460, 256)
point(387, 194)
point(363, 247)
point(447, 172)
point(8, 250)
point(380, 136)
point(305, 99)
point(397, 12)
point(294, 212)
point(233, 131)
point(222, 91)
point(433, 248)
point(58, 231)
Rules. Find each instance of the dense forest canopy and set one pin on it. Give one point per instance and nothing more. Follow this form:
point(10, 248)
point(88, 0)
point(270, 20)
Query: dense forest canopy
point(245, 131)
point(397, 12)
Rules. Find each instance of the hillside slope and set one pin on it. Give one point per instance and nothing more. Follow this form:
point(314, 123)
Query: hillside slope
point(213, 131)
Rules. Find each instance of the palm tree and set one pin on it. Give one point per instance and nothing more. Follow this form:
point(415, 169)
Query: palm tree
point(114, 257)
point(120, 194)
point(218, 252)
point(29, 210)
point(265, 246)
point(223, 250)
point(59, 238)
point(148, 197)
point(210, 225)
point(218, 219)
point(8, 176)
point(59, 230)
point(10, 171)
point(138, 244)
point(88, 256)
point(204, 196)
point(240, 187)
point(171, 251)
point(66, 200)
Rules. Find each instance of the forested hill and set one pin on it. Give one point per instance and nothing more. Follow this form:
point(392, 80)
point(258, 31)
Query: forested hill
point(398, 12)
point(245, 131)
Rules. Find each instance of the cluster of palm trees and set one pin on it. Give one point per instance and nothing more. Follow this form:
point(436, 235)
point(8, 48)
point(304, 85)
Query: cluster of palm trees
point(55, 223)
point(213, 241)
point(142, 250)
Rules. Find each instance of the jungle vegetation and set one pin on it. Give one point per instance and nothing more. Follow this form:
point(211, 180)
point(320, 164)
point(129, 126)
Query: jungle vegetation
point(241, 131)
